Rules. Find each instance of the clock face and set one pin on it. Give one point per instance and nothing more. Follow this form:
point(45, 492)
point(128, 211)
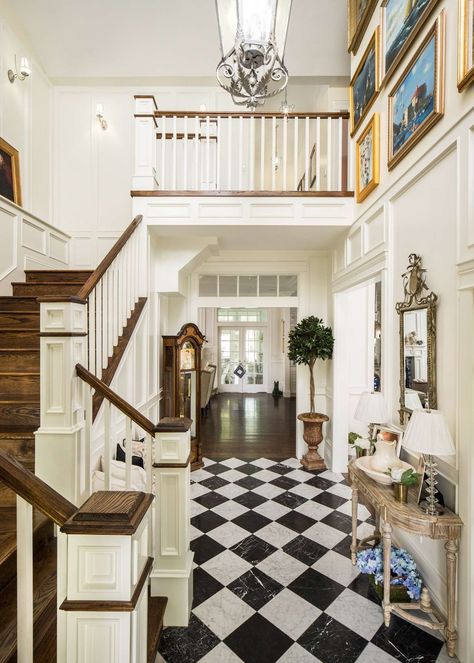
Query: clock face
point(187, 357)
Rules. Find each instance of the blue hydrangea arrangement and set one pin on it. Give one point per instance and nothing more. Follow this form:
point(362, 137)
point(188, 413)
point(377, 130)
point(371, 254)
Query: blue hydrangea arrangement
point(402, 567)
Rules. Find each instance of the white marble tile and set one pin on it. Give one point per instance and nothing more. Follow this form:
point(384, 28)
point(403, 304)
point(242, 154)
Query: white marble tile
point(268, 490)
point(228, 534)
point(357, 613)
point(232, 462)
point(200, 475)
point(221, 654)
point(230, 509)
point(332, 476)
point(337, 567)
point(197, 490)
point(299, 475)
point(223, 612)
point(373, 654)
point(443, 656)
point(276, 534)
point(207, 461)
point(314, 510)
point(159, 659)
point(362, 511)
point(282, 567)
point(231, 490)
point(290, 613)
point(265, 475)
point(196, 508)
point(226, 567)
point(263, 462)
point(232, 475)
point(194, 533)
point(292, 462)
point(324, 534)
point(341, 490)
point(306, 491)
point(364, 530)
point(272, 510)
point(298, 654)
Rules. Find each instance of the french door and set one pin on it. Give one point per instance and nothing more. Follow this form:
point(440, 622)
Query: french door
point(245, 346)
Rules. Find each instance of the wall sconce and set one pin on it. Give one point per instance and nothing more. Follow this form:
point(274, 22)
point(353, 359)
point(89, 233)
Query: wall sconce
point(25, 71)
point(99, 113)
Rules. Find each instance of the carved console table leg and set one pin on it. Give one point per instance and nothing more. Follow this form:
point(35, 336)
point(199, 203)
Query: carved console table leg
point(355, 501)
point(451, 547)
point(377, 525)
point(387, 551)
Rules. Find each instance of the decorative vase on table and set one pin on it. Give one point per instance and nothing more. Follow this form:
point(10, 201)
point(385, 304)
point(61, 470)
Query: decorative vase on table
point(313, 436)
point(385, 455)
point(400, 492)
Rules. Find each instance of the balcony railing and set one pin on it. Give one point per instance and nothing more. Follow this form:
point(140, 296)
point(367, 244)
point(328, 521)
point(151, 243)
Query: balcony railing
point(248, 153)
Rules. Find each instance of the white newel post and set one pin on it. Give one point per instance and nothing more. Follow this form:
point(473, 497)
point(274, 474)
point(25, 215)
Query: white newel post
point(59, 453)
point(172, 571)
point(144, 173)
point(108, 566)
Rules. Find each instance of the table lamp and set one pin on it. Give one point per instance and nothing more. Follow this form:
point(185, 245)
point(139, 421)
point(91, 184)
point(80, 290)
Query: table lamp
point(427, 433)
point(371, 409)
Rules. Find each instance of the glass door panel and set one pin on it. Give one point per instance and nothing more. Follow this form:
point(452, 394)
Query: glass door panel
point(229, 358)
point(241, 345)
point(253, 360)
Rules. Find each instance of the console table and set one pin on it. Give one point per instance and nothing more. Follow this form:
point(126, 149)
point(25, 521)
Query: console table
point(410, 518)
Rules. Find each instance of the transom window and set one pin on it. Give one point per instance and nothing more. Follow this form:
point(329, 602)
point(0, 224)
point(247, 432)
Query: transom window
point(241, 315)
point(243, 285)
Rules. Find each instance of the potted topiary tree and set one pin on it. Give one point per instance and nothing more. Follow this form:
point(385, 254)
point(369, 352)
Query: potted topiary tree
point(308, 341)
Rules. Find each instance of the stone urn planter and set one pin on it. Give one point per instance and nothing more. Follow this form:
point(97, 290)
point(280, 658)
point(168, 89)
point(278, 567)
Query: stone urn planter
point(313, 436)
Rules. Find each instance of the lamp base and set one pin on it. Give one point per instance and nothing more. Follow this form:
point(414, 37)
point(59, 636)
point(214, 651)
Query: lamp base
point(425, 506)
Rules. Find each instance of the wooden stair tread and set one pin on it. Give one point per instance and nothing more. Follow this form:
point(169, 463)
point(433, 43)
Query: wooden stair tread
point(156, 613)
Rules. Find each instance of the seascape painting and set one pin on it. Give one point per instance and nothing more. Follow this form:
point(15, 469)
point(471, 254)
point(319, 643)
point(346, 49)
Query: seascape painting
point(402, 20)
point(367, 159)
point(360, 12)
point(364, 85)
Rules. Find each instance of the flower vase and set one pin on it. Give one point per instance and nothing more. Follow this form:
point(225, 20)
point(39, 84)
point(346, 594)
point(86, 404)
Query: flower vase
point(361, 452)
point(400, 493)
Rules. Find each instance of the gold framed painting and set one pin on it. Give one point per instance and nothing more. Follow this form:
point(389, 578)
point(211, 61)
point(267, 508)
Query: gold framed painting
point(465, 44)
point(359, 14)
point(368, 159)
point(416, 103)
point(401, 22)
point(365, 84)
point(10, 172)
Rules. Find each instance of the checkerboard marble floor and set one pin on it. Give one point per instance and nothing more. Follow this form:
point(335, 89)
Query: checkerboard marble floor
point(273, 580)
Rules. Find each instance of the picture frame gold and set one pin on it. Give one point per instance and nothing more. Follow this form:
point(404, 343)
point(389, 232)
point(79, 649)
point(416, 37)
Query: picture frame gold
point(373, 45)
point(417, 26)
point(357, 28)
point(374, 127)
point(465, 44)
point(436, 32)
point(10, 184)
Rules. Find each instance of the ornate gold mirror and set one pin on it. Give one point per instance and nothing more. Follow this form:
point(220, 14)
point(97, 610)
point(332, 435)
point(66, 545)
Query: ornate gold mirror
point(417, 315)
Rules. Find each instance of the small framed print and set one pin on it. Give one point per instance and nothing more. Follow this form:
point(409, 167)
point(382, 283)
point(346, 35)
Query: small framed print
point(9, 172)
point(368, 159)
point(365, 83)
point(465, 44)
point(416, 102)
point(360, 13)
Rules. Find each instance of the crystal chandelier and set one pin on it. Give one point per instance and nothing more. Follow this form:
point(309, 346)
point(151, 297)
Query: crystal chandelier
point(253, 37)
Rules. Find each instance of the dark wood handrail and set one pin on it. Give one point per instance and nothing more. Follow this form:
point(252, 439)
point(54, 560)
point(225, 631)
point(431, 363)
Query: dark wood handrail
point(176, 426)
point(97, 274)
point(34, 490)
point(344, 115)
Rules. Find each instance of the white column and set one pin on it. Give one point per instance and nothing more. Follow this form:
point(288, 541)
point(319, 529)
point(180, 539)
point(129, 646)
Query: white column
point(59, 442)
point(144, 170)
point(172, 571)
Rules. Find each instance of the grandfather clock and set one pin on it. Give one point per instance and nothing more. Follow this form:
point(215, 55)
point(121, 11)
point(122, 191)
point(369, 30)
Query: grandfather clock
point(182, 382)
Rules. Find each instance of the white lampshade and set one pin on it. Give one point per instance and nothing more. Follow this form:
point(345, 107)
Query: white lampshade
point(25, 68)
point(371, 408)
point(428, 433)
point(413, 401)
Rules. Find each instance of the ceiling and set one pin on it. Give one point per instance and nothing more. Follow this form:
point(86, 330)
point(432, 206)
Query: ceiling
point(161, 38)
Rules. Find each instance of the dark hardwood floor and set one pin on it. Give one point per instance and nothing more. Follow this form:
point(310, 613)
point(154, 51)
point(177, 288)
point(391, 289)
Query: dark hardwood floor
point(249, 426)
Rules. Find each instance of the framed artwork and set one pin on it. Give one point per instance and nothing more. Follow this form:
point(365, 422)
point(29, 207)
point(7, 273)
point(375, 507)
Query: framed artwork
point(390, 434)
point(401, 22)
point(360, 13)
point(9, 172)
point(416, 102)
point(365, 83)
point(368, 159)
point(466, 44)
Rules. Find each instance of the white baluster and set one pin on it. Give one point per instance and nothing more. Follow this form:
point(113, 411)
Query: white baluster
point(98, 328)
point(128, 453)
point(350, 161)
point(285, 153)
point(306, 154)
point(88, 438)
point(163, 152)
point(197, 130)
point(218, 154)
point(273, 152)
point(329, 161)
point(339, 149)
point(229, 155)
point(105, 318)
point(24, 565)
point(174, 152)
point(208, 153)
point(110, 308)
point(106, 455)
point(185, 154)
point(252, 154)
point(318, 154)
point(295, 154)
point(262, 153)
point(241, 150)
point(91, 316)
point(149, 462)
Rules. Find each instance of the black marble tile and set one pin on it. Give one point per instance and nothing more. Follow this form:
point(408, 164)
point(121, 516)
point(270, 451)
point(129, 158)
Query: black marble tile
point(316, 588)
point(250, 500)
point(319, 482)
point(216, 468)
point(204, 586)
point(248, 468)
point(253, 549)
point(280, 469)
point(207, 521)
point(249, 482)
point(344, 546)
point(331, 641)
point(255, 588)
point(210, 500)
point(296, 521)
point(180, 644)
point(205, 548)
point(305, 550)
point(339, 521)
point(330, 500)
point(291, 500)
point(214, 482)
point(284, 482)
point(258, 641)
point(251, 521)
point(407, 643)
point(362, 586)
